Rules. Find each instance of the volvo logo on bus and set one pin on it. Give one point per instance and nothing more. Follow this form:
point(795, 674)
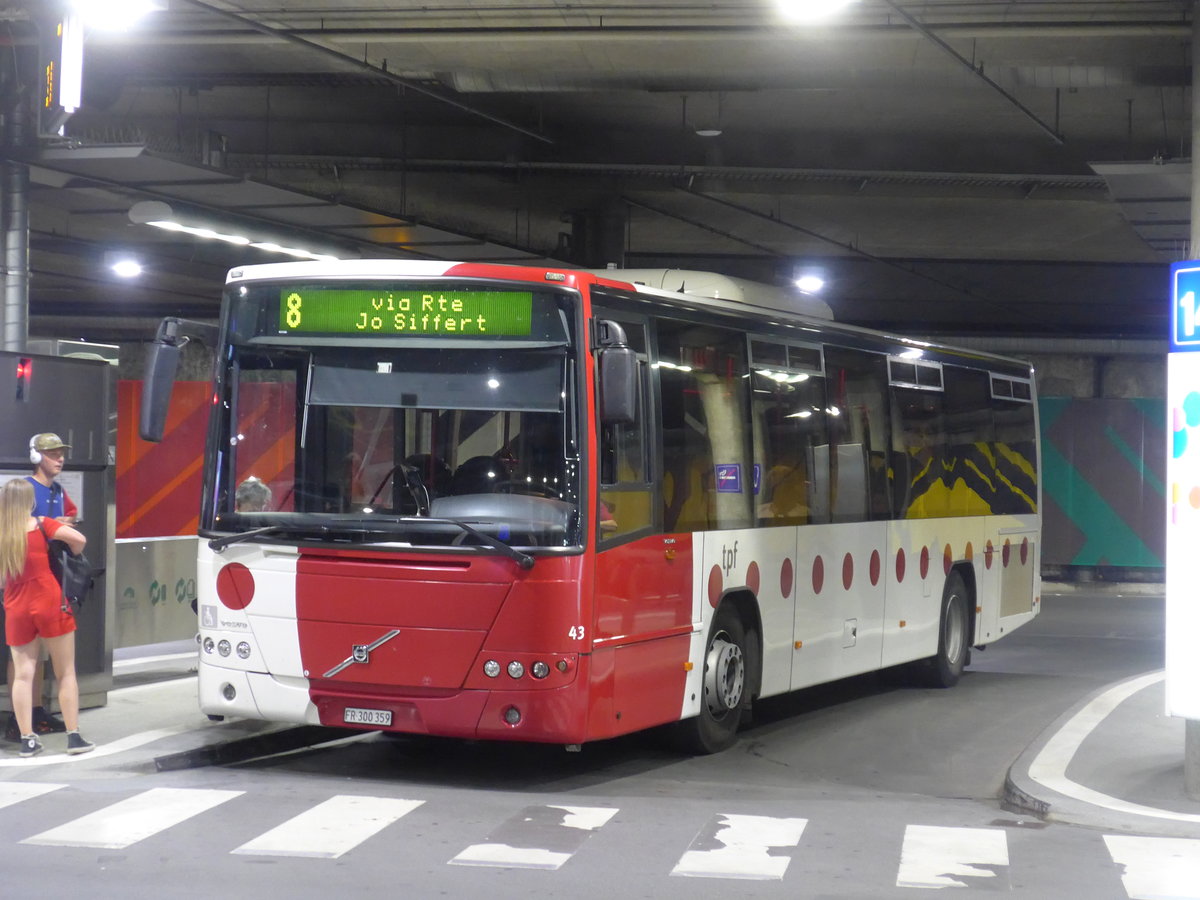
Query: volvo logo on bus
point(361, 653)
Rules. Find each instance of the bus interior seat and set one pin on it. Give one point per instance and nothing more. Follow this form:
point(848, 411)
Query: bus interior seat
point(478, 475)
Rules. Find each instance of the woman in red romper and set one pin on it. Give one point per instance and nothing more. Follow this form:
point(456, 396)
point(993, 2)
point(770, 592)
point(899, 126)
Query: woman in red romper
point(33, 611)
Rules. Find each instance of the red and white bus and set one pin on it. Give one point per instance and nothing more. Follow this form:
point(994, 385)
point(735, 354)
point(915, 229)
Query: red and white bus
point(553, 505)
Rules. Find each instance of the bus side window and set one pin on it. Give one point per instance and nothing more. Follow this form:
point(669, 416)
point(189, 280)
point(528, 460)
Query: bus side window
point(859, 434)
point(703, 396)
point(624, 504)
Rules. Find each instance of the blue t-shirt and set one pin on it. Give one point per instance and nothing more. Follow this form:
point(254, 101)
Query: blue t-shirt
point(50, 501)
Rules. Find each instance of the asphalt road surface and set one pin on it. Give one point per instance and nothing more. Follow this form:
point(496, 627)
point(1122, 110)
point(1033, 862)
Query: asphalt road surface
point(868, 788)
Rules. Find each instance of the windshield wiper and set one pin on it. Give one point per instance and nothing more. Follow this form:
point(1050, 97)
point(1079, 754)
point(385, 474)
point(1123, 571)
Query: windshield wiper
point(219, 544)
point(524, 560)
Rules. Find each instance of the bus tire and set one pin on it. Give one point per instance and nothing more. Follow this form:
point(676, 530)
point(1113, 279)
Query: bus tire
point(724, 683)
point(954, 638)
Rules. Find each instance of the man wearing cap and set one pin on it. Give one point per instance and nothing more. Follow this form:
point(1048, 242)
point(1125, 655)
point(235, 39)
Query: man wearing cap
point(47, 452)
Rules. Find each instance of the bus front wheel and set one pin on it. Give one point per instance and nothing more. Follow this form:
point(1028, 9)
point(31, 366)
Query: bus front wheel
point(954, 636)
point(724, 684)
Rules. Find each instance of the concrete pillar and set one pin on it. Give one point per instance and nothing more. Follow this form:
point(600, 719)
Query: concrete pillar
point(1191, 739)
point(1191, 759)
point(14, 222)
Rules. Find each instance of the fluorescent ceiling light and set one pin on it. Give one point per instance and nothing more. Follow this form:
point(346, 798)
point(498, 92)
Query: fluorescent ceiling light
point(158, 214)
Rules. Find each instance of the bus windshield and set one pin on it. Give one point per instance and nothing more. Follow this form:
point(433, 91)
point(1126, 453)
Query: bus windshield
point(422, 446)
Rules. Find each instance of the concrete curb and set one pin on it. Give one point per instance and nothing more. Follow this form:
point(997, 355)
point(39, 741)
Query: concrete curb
point(1022, 794)
point(241, 750)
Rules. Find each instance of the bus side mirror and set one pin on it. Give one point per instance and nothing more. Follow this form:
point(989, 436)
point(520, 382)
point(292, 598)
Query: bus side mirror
point(618, 369)
point(162, 362)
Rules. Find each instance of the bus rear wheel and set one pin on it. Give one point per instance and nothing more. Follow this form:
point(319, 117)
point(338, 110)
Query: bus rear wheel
point(954, 635)
point(724, 683)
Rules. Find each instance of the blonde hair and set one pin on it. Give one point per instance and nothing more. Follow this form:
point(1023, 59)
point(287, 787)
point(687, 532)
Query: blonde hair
point(16, 506)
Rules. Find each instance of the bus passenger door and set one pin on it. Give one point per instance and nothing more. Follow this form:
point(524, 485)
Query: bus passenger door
point(642, 577)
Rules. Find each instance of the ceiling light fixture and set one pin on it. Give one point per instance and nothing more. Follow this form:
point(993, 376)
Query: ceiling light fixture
point(810, 283)
point(126, 268)
point(116, 15)
point(811, 10)
point(158, 214)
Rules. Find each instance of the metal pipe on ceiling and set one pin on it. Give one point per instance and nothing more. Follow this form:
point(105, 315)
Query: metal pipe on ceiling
point(672, 33)
point(970, 67)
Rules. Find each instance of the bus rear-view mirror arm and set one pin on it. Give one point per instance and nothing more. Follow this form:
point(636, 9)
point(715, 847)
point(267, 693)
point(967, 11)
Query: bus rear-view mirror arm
point(616, 363)
point(162, 363)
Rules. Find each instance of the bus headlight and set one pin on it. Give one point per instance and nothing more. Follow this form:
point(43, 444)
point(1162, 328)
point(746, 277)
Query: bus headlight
point(243, 650)
point(223, 647)
point(515, 669)
point(539, 669)
point(491, 668)
point(208, 645)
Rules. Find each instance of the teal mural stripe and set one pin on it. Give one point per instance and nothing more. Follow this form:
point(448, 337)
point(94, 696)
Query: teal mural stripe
point(1049, 409)
point(1135, 460)
point(1110, 541)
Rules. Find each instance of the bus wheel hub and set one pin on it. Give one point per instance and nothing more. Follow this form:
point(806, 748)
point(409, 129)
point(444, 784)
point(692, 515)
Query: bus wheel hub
point(724, 676)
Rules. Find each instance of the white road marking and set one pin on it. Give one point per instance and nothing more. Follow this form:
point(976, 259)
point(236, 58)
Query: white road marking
point(933, 855)
point(15, 791)
point(118, 746)
point(1157, 868)
point(147, 660)
point(745, 848)
point(134, 819)
point(1049, 768)
point(330, 828)
point(539, 837)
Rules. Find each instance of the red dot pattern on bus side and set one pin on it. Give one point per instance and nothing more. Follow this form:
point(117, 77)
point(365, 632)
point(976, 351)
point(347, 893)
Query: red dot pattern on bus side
point(714, 586)
point(818, 575)
point(988, 553)
point(900, 565)
point(1024, 551)
point(876, 566)
point(786, 578)
point(947, 559)
point(1006, 552)
point(235, 586)
point(847, 571)
point(969, 555)
point(924, 563)
point(753, 578)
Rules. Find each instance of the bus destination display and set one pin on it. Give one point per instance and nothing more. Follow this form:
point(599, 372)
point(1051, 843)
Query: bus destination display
point(417, 311)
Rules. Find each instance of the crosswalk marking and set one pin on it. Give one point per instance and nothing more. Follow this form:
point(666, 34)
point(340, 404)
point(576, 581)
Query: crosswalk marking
point(741, 847)
point(331, 828)
point(1157, 868)
point(134, 819)
point(546, 837)
point(937, 857)
point(539, 837)
point(15, 791)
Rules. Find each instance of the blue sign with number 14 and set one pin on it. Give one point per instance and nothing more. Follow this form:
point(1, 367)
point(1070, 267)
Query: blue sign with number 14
point(1185, 314)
